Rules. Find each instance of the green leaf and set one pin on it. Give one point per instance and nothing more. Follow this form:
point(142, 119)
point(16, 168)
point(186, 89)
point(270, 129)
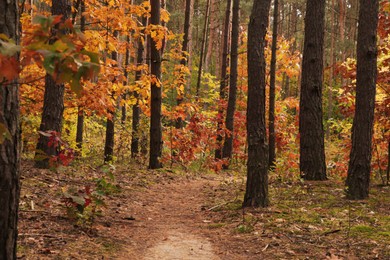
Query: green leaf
point(50, 59)
point(8, 48)
point(59, 46)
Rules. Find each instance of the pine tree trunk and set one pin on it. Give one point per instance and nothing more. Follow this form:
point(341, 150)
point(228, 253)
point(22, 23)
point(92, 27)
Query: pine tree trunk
point(185, 56)
point(155, 118)
point(282, 17)
point(256, 194)
point(80, 114)
point(212, 34)
point(10, 148)
point(342, 14)
point(136, 109)
point(358, 179)
point(331, 63)
point(231, 108)
point(110, 126)
point(109, 143)
point(202, 50)
point(53, 101)
point(224, 81)
point(271, 112)
point(143, 138)
point(126, 75)
point(312, 153)
point(388, 164)
point(80, 130)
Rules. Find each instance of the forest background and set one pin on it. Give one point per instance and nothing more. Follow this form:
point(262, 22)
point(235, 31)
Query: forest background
point(116, 27)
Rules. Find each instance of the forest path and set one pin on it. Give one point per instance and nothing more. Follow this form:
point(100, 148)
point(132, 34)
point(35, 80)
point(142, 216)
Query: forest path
point(164, 214)
point(169, 222)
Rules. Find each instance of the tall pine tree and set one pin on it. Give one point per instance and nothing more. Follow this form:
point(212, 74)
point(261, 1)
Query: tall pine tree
point(312, 152)
point(358, 179)
point(256, 194)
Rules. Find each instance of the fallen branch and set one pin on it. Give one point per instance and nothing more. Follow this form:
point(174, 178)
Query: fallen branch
point(219, 205)
point(331, 232)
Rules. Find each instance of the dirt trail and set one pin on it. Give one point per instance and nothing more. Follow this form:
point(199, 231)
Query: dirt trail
point(163, 215)
point(168, 222)
point(181, 246)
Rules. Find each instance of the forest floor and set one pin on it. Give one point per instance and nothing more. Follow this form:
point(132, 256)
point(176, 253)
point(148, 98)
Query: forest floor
point(170, 214)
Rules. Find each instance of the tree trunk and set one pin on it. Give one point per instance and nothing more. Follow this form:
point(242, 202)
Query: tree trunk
point(271, 112)
point(331, 63)
point(212, 34)
point(155, 118)
point(185, 54)
point(80, 114)
point(231, 108)
point(126, 75)
point(388, 164)
point(109, 143)
point(10, 148)
point(53, 101)
point(256, 193)
point(143, 138)
point(358, 179)
point(110, 126)
point(282, 17)
point(189, 46)
point(354, 27)
point(342, 14)
point(294, 20)
point(136, 109)
point(224, 80)
point(202, 50)
point(312, 153)
point(80, 130)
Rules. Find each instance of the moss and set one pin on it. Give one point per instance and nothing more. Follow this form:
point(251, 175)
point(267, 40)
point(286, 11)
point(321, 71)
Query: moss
point(362, 229)
point(216, 225)
point(21, 250)
point(384, 233)
point(376, 233)
point(235, 205)
point(244, 228)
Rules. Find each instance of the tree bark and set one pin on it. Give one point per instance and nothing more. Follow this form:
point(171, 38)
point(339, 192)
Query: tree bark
point(53, 101)
point(331, 63)
point(312, 153)
point(126, 75)
point(202, 50)
point(136, 109)
point(80, 114)
point(282, 17)
point(271, 111)
point(224, 80)
point(231, 107)
point(109, 143)
point(388, 164)
point(342, 15)
point(256, 193)
point(212, 34)
point(358, 179)
point(155, 118)
point(80, 130)
point(110, 125)
point(10, 149)
point(185, 54)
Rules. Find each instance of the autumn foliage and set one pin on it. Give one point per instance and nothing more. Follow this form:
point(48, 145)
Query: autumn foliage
point(115, 26)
